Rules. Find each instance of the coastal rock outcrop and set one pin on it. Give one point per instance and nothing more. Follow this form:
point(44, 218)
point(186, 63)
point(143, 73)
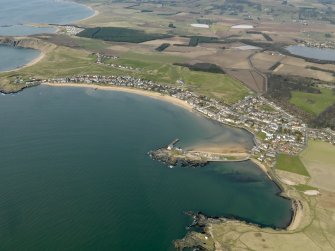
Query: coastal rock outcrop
point(27, 42)
point(174, 157)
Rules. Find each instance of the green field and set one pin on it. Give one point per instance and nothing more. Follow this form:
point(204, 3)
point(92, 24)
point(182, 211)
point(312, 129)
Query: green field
point(91, 44)
point(137, 59)
point(311, 102)
point(267, 108)
point(261, 135)
point(59, 62)
point(160, 68)
point(291, 164)
point(65, 62)
point(117, 34)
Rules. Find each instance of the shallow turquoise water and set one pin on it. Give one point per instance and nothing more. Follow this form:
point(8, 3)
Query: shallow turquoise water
point(74, 173)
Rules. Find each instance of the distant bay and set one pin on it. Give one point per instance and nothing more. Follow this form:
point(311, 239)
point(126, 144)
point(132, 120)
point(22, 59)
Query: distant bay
point(75, 175)
point(16, 16)
point(15, 57)
point(24, 30)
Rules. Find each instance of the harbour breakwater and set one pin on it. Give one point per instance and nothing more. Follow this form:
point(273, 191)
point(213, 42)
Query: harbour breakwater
point(176, 156)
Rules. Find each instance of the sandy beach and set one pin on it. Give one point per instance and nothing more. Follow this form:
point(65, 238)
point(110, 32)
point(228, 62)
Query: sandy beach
point(262, 167)
point(150, 94)
point(298, 214)
point(34, 61)
point(42, 54)
point(95, 12)
point(220, 148)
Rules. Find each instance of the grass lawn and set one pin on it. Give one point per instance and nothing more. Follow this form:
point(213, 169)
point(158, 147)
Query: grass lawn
point(313, 103)
point(303, 187)
point(261, 135)
point(137, 59)
point(267, 108)
point(291, 164)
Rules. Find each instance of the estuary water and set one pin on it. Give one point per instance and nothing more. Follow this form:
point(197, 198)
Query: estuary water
point(74, 173)
point(311, 52)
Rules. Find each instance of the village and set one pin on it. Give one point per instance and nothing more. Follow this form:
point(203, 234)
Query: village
point(68, 29)
point(101, 59)
point(275, 130)
point(323, 45)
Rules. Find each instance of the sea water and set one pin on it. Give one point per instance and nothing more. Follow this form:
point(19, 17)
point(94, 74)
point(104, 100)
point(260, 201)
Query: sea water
point(75, 174)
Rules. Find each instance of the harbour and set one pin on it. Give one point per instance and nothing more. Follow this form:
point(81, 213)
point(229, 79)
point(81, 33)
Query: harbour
point(113, 182)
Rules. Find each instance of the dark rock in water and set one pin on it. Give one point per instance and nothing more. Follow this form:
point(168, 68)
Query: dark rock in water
point(175, 157)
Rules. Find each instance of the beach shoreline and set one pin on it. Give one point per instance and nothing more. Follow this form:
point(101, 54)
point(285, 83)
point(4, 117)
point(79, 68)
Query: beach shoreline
point(166, 98)
point(34, 61)
point(262, 167)
point(297, 212)
point(42, 54)
point(95, 12)
point(172, 100)
point(31, 63)
point(297, 215)
point(155, 95)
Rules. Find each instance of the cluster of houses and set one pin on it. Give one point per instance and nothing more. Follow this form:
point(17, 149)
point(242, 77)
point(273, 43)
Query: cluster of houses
point(280, 131)
point(327, 44)
point(69, 30)
point(276, 131)
point(302, 22)
point(30, 82)
point(326, 135)
point(101, 59)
